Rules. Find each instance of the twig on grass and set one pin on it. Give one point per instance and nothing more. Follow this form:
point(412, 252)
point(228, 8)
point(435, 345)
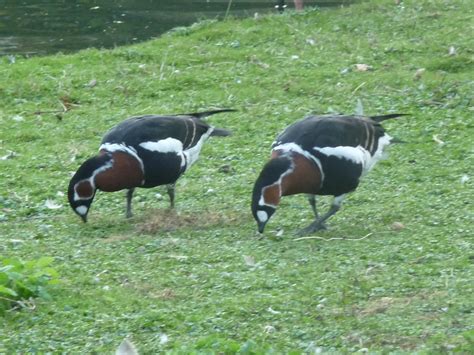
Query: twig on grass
point(358, 87)
point(52, 111)
point(328, 239)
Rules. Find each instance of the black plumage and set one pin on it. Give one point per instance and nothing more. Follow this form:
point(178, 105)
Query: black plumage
point(145, 151)
point(319, 155)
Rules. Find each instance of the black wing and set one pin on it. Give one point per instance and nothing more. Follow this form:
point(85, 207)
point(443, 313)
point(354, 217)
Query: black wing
point(333, 131)
point(136, 130)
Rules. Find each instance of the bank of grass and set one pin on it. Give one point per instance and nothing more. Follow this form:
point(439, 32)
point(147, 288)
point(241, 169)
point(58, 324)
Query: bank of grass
point(200, 278)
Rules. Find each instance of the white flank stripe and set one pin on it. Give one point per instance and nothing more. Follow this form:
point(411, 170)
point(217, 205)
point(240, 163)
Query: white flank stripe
point(383, 142)
point(358, 155)
point(192, 154)
point(168, 145)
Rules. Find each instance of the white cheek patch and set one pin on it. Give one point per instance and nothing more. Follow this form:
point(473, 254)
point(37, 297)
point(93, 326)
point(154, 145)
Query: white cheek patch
point(262, 216)
point(82, 210)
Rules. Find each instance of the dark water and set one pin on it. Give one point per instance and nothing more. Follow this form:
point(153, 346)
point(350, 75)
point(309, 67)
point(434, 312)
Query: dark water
point(31, 27)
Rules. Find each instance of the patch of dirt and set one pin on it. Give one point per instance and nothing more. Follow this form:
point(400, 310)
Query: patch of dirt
point(171, 220)
point(379, 305)
point(115, 238)
point(150, 291)
point(165, 294)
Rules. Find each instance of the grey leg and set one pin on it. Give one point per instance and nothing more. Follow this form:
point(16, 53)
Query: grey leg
point(170, 190)
point(312, 202)
point(129, 203)
point(318, 224)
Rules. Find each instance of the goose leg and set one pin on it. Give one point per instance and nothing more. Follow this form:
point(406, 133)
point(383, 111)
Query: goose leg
point(129, 202)
point(170, 189)
point(312, 202)
point(318, 224)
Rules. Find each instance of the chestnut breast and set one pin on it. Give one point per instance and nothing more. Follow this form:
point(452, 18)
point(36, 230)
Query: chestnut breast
point(125, 173)
point(304, 178)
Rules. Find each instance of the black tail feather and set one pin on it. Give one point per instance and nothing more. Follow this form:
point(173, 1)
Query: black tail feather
point(219, 132)
point(207, 113)
point(386, 117)
point(396, 140)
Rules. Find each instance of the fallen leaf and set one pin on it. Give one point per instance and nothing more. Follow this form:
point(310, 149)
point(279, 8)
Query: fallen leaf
point(269, 329)
point(163, 339)
point(179, 257)
point(363, 67)
point(52, 205)
point(91, 83)
point(397, 226)
point(272, 311)
point(11, 154)
point(419, 73)
point(452, 51)
point(249, 260)
point(437, 140)
point(18, 118)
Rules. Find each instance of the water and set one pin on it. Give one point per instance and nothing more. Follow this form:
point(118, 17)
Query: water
point(32, 27)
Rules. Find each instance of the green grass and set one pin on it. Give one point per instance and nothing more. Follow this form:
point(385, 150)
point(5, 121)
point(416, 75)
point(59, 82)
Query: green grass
point(203, 277)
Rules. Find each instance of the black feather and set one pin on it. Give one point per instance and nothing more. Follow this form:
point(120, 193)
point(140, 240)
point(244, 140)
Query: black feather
point(387, 117)
point(219, 132)
point(204, 114)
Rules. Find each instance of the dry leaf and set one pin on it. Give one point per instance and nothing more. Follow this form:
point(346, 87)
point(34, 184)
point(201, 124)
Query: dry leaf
point(52, 205)
point(18, 118)
point(178, 257)
point(363, 67)
point(269, 329)
point(419, 73)
point(437, 140)
point(163, 339)
point(272, 311)
point(249, 261)
point(397, 226)
point(91, 83)
point(11, 154)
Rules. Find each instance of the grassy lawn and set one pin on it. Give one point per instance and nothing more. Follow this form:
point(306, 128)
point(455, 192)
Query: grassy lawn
point(395, 270)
